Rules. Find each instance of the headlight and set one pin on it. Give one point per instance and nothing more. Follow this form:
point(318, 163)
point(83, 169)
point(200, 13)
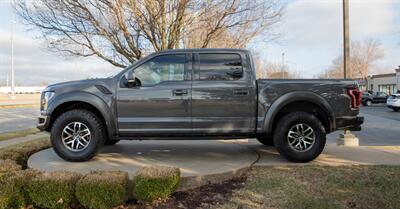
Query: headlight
point(45, 98)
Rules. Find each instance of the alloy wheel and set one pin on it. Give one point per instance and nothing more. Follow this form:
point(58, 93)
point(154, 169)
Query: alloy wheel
point(301, 137)
point(76, 136)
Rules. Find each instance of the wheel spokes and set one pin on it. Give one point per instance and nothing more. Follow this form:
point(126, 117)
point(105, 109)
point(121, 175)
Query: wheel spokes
point(76, 136)
point(301, 137)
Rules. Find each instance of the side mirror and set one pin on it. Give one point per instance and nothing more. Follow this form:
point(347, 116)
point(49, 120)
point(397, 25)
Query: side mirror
point(130, 78)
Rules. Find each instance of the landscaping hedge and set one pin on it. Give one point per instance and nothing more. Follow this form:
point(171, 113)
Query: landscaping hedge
point(54, 190)
point(151, 183)
point(13, 189)
point(103, 190)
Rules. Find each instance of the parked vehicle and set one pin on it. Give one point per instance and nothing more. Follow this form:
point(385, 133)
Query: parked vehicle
point(374, 98)
point(197, 94)
point(393, 102)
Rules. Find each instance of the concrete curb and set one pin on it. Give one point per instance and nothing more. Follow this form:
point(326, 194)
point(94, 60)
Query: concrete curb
point(192, 182)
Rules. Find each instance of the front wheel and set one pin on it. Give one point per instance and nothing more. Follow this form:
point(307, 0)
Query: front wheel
point(299, 137)
point(75, 136)
point(396, 109)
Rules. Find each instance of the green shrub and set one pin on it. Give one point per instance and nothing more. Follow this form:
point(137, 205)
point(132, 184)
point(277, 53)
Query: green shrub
point(53, 190)
point(13, 193)
point(21, 152)
point(151, 183)
point(102, 190)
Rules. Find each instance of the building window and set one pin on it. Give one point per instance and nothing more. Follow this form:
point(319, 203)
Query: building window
point(388, 88)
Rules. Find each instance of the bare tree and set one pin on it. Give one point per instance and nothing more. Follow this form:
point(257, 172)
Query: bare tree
point(275, 70)
point(363, 58)
point(122, 31)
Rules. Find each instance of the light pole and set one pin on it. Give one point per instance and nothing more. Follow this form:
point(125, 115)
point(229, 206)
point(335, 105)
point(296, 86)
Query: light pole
point(12, 55)
point(283, 65)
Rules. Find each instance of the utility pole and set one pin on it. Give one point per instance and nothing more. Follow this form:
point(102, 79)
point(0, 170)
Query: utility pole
point(346, 138)
point(346, 38)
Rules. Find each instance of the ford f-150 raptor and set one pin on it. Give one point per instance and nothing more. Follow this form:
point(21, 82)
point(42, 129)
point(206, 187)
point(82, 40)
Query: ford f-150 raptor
point(197, 94)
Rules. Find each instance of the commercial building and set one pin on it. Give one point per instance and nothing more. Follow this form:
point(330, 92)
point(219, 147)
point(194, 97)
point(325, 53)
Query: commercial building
point(388, 83)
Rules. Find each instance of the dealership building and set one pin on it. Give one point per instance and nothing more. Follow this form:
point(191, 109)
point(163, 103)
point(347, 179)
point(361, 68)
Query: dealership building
point(388, 83)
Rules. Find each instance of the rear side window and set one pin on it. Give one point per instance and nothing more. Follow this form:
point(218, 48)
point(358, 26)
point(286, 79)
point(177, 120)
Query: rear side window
point(220, 66)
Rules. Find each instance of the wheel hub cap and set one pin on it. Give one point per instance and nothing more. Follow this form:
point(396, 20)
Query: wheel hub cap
point(76, 136)
point(301, 137)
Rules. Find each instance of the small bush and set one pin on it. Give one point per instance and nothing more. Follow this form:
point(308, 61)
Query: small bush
point(103, 190)
point(53, 190)
point(13, 193)
point(151, 183)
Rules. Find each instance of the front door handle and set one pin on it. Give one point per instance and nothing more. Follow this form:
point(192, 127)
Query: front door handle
point(241, 92)
point(179, 92)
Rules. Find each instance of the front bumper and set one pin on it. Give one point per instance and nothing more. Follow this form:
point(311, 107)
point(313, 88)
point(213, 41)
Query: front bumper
point(43, 122)
point(349, 123)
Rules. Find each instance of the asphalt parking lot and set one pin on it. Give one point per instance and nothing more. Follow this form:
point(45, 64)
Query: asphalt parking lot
point(13, 119)
point(381, 127)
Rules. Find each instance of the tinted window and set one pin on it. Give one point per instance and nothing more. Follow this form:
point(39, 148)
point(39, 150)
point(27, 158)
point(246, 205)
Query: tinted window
point(220, 67)
point(161, 68)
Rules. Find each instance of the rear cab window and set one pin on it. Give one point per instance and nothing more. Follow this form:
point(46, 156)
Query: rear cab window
point(219, 66)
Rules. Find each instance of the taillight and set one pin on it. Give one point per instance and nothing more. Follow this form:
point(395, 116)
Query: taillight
point(355, 96)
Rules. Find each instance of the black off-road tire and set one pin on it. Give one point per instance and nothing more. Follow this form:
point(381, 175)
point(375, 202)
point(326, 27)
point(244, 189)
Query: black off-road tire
point(111, 142)
point(266, 140)
point(91, 121)
point(282, 130)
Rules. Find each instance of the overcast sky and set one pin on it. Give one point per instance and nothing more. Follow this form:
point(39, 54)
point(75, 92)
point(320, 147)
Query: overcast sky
point(312, 38)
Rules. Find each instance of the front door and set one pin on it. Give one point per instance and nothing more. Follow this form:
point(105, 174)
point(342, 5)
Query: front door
point(222, 101)
point(160, 102)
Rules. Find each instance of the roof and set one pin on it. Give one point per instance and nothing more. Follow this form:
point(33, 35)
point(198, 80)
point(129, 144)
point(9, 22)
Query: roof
point(204, 49)
point(384, 75)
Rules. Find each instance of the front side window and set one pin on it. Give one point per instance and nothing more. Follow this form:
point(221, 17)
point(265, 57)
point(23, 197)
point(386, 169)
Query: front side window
point(220, 66)
point(161, 68)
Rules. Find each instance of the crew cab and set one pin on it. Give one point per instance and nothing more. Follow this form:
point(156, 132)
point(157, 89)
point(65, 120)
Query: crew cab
point(197, 94)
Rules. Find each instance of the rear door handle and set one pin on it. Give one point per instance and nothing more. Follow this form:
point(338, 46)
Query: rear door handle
point(179, 92)
point(241, 92)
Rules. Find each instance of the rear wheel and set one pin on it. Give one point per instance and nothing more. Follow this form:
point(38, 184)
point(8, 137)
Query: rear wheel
point(75, 136)
point(396, 109)
point(299, 137)
point(266, 140)
point(368, 103)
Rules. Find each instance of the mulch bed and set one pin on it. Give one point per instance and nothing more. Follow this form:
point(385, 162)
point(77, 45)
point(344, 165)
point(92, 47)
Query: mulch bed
point(202, 197)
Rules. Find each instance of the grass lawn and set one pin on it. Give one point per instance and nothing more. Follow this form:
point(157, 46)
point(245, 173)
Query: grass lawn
point(363, 187)
point(15, 134)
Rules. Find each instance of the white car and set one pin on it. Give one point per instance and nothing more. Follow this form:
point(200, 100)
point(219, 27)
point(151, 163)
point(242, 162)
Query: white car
point(393, 102)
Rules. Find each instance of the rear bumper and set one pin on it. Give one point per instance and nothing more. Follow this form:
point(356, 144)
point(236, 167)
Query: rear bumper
point(349, 123)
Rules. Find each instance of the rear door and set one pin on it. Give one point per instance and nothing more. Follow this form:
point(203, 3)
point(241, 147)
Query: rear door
point(222, 101)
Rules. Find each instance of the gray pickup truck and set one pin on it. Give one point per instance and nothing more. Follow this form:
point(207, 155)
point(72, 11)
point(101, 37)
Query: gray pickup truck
point(197, 94)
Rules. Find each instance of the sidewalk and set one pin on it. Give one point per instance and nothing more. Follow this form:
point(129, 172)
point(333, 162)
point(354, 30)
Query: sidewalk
point(333, 156)
point(18, 140)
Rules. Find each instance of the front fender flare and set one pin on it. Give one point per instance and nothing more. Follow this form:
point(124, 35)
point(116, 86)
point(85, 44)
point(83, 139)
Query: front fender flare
point(97, 102)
